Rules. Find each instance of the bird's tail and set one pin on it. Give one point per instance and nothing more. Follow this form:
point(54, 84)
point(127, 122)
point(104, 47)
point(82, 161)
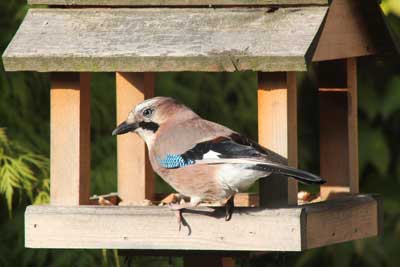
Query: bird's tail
point(300, 175)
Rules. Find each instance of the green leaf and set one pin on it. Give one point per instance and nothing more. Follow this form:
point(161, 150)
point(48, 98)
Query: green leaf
point(391, 102)
point(368, 101)
point(373, 148)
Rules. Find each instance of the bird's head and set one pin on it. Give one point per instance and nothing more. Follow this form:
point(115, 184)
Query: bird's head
point(147, 117)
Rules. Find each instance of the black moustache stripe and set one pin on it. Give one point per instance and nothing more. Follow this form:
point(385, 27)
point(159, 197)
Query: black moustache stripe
point(151, 126)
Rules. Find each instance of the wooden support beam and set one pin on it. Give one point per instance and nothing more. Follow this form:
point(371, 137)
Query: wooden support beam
point(277, 130)
point(70, 139)
point(210, 260)
point(135, 176)
point(352, 124)
point(338, 127)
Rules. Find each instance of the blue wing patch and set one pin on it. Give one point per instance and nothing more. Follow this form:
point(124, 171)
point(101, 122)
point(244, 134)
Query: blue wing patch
point(171, 161)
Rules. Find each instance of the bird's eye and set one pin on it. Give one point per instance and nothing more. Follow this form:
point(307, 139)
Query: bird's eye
point(148, 112)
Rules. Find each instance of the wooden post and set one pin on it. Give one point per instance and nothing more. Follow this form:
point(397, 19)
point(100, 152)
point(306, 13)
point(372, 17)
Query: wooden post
point(338, 127)
point(208, 260)
point(70, 139)
point(277, 130)
point(135, 176)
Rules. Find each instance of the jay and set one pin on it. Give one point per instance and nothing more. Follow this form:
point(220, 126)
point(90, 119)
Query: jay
point(201, 159)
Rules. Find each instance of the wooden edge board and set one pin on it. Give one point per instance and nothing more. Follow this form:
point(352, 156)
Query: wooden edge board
point(155, 228)
point(153, 3)
point(177, 253)
point(340, 220)
point(153, 64)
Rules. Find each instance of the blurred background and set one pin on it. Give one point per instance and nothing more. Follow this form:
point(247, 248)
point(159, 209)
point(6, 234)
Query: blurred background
point(227, 98)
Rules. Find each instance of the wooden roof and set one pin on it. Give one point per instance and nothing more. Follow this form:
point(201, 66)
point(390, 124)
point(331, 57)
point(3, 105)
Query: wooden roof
point(352, 29)
point(164, 39)
point(174, 2)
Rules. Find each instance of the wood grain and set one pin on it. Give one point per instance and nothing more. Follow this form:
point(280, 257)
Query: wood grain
point(135, 175)
point(70, 139)
point(352, 124)
point(352, 29)
point(341, 222)
point(155, 228)
point(338, 128)
point(174, 2)
point(169, 39)
point(277, 130)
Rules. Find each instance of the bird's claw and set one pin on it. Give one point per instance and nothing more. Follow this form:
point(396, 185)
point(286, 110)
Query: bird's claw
point(178, 213)
point(229, 206)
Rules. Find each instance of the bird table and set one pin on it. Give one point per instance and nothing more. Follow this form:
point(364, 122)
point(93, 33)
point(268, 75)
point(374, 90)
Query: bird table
point(136, 39)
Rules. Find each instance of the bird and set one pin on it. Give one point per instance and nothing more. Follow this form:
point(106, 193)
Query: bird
point(201, 159)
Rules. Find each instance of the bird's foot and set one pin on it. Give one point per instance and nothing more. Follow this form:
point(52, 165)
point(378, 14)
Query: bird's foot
point(229, 206)
point(178, 208)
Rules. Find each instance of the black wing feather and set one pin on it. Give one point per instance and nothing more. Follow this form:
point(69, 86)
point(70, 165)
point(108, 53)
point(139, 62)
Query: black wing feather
point(234, 146)
point(237, 146)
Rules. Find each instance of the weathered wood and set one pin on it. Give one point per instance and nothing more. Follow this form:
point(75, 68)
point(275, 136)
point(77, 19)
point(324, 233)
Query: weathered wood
point(334, 158)
point(352, 29)
point(135, 175)
point(157, 39)
point(155, 228)
point(338, 128)
point(277, 130)
point(352, 124)
point(70, 139)
point(341, 222)
point(210, 260)
point(180, 253)
point(174, 2)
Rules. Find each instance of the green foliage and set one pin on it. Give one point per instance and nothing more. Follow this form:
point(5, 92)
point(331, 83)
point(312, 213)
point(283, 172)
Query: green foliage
point(391, 6)
point(22, 171)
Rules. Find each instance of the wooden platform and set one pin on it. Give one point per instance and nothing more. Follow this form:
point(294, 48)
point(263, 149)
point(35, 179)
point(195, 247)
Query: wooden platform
point(251, 229)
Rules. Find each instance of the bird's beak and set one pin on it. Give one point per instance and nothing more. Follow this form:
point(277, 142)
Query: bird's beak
point(125, 127)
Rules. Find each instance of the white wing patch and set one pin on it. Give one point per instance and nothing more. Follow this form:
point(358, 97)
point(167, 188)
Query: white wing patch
point(211, 155)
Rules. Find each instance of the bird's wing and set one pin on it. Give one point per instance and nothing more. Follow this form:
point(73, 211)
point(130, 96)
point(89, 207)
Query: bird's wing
point(236, 149)
point(233, 146)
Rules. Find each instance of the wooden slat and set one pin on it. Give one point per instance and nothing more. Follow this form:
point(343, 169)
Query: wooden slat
point(180, 253)
point(70, 139)
point(352, 124)
point(341, 222)
point(135, 176)
point(277, 130)
point(338, 129)
point(155, 228)
point(352, 29)
point(174, 2)
point(157, 39)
